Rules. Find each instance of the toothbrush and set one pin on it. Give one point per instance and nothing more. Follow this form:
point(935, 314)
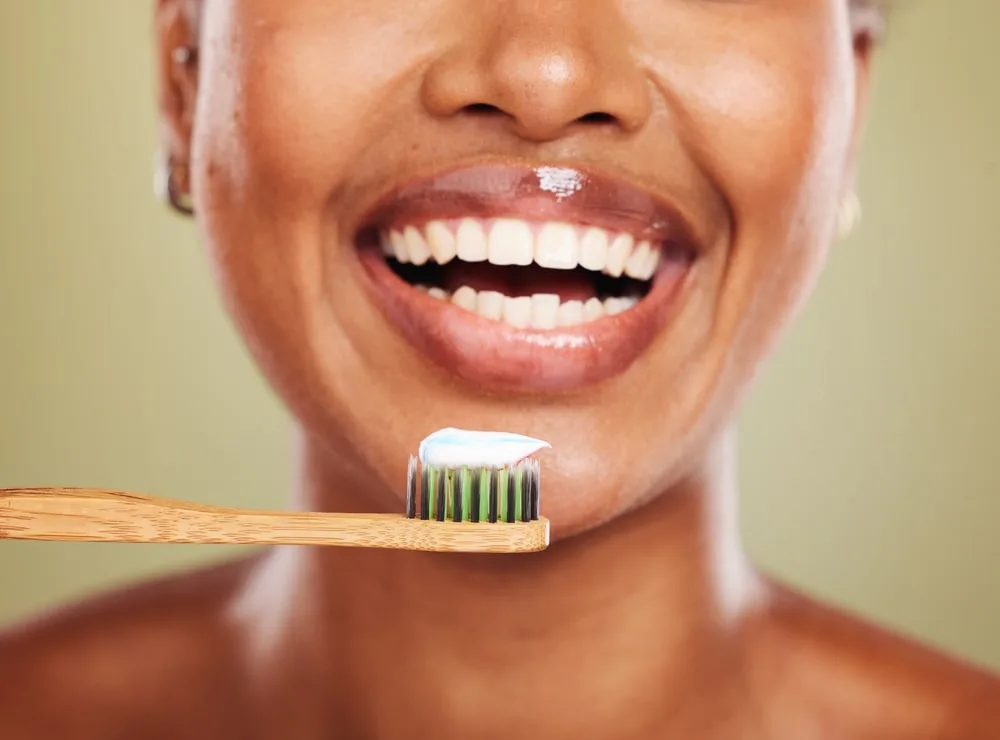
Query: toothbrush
point(465, 492)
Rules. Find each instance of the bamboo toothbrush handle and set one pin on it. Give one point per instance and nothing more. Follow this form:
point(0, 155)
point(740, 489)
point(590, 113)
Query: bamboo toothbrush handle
point(87, 515)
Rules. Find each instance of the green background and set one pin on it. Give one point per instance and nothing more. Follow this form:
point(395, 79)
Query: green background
point(869, 451)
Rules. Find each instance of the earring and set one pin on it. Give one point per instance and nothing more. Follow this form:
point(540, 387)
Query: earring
point(185, 55)
point(848, 214)
point(171, 186)
point(170, 178)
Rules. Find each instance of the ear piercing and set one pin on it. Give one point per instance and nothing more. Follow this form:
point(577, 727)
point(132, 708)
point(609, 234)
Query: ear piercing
point(171, 178)
point(185, 55)
point(170, 182)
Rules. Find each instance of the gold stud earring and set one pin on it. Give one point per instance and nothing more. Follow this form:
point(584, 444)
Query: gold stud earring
point(848, 215)
point(171, 185)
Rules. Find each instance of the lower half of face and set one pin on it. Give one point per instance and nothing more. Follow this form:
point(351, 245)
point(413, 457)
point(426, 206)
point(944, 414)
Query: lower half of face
point(583, 224)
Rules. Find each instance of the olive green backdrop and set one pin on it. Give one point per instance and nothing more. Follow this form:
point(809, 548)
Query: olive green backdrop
point(870, 450)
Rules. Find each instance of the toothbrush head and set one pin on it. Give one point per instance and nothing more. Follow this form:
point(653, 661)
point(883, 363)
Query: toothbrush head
point(462, 476)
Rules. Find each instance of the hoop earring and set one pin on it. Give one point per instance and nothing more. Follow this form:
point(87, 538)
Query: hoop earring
point(170, 185)
point(848, 215)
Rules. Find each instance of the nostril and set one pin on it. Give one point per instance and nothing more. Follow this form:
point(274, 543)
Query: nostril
point(482, 109)
point(595, 119)
point(598, 118)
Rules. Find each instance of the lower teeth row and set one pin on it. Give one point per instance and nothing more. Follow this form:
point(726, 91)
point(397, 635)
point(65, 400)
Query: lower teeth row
point(539, 311)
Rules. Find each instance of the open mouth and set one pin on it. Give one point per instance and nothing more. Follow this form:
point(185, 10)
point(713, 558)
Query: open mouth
point(539, 275)
point(544, 277)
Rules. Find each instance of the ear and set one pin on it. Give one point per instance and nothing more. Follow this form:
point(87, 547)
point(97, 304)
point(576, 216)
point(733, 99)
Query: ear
point(177, 76)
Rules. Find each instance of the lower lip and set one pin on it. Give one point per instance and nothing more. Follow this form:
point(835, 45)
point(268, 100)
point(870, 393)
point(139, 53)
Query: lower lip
point(498, 356)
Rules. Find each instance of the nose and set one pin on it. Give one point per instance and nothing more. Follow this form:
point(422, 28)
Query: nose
point(546, 68)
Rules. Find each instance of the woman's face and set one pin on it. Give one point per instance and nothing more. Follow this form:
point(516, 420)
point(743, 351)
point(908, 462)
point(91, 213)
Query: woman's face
point(684, 159)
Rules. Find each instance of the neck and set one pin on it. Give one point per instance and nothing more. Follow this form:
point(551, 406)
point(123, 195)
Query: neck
point(626, 631)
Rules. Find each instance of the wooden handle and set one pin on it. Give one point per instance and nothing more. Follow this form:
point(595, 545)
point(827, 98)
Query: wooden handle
point(87, 515)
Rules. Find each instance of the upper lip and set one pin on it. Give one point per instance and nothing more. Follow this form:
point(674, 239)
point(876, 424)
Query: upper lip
point(537, 192)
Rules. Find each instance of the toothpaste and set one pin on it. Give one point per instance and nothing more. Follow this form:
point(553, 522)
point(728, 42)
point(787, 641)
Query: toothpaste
point(458, 447)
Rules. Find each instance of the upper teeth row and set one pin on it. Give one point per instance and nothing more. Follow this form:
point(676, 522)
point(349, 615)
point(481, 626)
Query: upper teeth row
point(511, 241)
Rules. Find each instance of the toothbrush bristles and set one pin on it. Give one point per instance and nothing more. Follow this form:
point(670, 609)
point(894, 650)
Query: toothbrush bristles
point(425, 499)
point(441, 498)
point(494, 506)
point(477, 487)
point(495, 494)
point(511, 505)
point(411, 485)
point(526, 491)
point(536, 482)
point(456, 497)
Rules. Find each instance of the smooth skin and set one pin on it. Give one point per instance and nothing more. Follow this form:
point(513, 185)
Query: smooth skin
point(644, 619)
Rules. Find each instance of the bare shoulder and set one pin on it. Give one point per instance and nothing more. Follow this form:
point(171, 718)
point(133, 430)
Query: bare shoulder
point(126, 664)
point(834, 675)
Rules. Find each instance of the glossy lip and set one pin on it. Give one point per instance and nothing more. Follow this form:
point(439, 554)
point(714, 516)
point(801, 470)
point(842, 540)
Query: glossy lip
point(543, 193)
point(494, 355)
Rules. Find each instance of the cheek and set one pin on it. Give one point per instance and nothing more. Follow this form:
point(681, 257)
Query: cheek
point(771, 117)
point(292, 127)
point(299, 91)
point(778, 135)
point(766, 109)
point(289, 100)
point(772, 127)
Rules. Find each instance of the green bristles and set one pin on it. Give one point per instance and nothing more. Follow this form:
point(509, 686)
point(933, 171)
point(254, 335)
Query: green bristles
point(449, 494)
point(468, 492)
point(432, 488)
point(484, 493)
point(466, 495)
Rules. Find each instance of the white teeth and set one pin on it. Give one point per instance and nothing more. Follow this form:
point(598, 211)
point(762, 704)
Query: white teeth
point(399, 246)
point(618, 252)
point(652, 263)
point(517, 311)
point(636, 263)
point(471, 241)
point(489, 305)
point(544, 309)
point(465, 297)
point(557, 247)
point(593, 310)
point(441, 241)
point(594, 250)
point(613, 306)
point(510, 242)
point(416, 246)
point(570, 313)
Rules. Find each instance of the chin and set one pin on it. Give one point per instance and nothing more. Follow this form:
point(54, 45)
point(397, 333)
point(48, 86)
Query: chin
point(601, 464)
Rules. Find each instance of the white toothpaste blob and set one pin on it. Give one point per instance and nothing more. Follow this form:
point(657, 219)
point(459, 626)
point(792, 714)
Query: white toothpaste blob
point(457, 447)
